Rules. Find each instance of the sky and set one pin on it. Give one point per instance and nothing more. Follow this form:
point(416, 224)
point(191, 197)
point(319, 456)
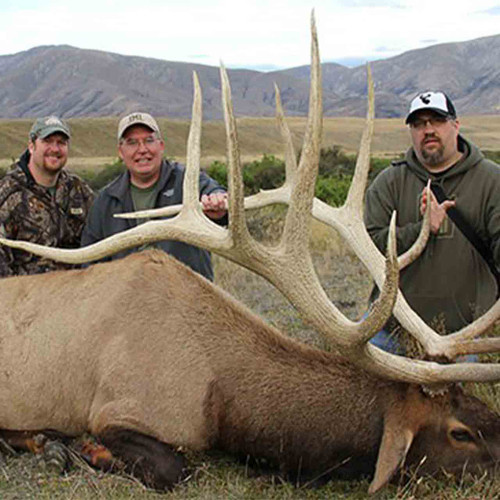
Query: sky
point(263, 35)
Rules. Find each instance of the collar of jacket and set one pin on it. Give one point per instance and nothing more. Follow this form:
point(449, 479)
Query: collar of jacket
point(24, 159)
point(23, 162)
point(472, 156)
point(121, 186)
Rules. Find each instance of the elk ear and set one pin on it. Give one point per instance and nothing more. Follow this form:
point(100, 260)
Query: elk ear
point(396, 442)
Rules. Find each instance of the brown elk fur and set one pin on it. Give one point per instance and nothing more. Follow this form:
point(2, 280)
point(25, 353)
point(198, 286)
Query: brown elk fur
point(144, 345)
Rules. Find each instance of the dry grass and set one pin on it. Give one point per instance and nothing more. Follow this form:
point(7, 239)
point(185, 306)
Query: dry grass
point(217, 476)
point(94, 139)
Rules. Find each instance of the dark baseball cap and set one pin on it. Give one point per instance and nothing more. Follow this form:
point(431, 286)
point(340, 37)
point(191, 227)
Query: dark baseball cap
point(43, 127)
point(438, 102)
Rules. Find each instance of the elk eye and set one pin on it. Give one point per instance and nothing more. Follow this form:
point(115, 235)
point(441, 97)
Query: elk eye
point(462, 435)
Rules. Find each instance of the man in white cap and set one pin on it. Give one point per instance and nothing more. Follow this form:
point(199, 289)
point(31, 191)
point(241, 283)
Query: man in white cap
point(150, 181)
point(455, 279)
point(40, 202)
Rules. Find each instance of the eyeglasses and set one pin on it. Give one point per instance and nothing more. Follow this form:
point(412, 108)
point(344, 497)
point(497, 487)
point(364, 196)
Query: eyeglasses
point(134, 143)
point(433, 121)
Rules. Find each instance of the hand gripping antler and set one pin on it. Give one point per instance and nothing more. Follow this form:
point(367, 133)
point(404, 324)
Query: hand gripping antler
point(288, 266)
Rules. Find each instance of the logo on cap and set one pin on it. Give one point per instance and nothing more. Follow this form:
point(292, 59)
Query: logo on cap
point(425, 98)
point(137, 119)
point(53, 120)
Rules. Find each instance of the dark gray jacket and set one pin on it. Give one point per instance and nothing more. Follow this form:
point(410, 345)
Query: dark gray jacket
point(116, 198)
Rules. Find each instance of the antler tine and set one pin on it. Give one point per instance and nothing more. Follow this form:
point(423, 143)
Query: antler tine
point(237, 219)
point(356, 193)
point(464, 341)
point(290, 158)
point(190, 196)
point(301, 201)
point(418, 246)
point(383, 306)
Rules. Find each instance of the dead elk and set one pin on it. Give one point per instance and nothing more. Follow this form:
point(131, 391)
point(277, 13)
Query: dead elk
point(149, 357)
point(147, 372)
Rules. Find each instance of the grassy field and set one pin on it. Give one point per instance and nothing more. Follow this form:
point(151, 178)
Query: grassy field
point(345, 280)
point(94, 139)
point(216, 476)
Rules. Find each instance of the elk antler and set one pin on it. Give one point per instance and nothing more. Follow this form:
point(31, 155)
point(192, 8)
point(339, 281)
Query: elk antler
point(288, 265)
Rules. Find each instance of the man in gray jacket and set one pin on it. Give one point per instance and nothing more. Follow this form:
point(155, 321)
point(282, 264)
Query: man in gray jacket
point(450, 284)
point(150, 182)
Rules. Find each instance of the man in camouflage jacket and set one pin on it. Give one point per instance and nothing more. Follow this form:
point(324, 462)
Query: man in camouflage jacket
point(40, 202)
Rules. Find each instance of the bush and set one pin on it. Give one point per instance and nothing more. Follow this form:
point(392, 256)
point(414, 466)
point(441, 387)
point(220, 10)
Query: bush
point(333, 190)
point(333, 162)
point(266, 173)
point(336, 170)
point(104, 176)
point(218, 172)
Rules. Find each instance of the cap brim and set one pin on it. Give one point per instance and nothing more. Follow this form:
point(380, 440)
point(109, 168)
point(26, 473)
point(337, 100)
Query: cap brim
point(438, 111)
point(147, 125)
point(53, 130)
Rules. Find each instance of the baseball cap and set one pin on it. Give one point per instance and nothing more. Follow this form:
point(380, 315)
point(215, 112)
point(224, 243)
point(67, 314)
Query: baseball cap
point(438, 102)
point(137, 119)
point(43, 127)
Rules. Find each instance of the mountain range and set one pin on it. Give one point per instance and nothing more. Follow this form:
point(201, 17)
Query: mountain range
point(73, 82)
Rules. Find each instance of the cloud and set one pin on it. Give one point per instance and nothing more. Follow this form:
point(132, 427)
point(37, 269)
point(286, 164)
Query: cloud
point(494, 11)
point(259, 34)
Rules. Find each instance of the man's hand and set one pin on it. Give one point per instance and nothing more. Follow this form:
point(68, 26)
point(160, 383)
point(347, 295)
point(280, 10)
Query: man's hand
point(438, 210)
point(214, 205)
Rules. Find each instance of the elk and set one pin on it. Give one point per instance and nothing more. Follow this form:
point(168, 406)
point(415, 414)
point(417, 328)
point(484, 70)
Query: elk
point(150, 357)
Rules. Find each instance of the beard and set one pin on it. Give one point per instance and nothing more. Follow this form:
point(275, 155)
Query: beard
point(434, 157)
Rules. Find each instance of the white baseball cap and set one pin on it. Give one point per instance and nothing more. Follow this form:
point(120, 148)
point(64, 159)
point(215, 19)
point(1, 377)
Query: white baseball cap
point(438, 102)
point(137, 119)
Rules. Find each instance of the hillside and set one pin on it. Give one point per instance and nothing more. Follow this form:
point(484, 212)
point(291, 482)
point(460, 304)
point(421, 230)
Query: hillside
point(73, 82)
point(94, 139)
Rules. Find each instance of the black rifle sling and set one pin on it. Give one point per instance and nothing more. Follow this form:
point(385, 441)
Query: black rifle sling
point(467, 230)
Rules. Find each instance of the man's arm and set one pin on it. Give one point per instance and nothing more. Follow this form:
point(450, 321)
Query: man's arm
point(10, 201)
point(92, 231)
point(6, 256)
point(493, 217)
point(380, 202)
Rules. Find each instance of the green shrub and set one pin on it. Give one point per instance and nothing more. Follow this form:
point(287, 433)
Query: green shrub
point(218, 172)
point(333, 190)
point(266, 173)
point(104, 176)
point(333, 162)
point(336, 170)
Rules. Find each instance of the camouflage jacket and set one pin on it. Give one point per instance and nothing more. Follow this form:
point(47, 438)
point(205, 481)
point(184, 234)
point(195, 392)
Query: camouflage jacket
point(32, 212)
